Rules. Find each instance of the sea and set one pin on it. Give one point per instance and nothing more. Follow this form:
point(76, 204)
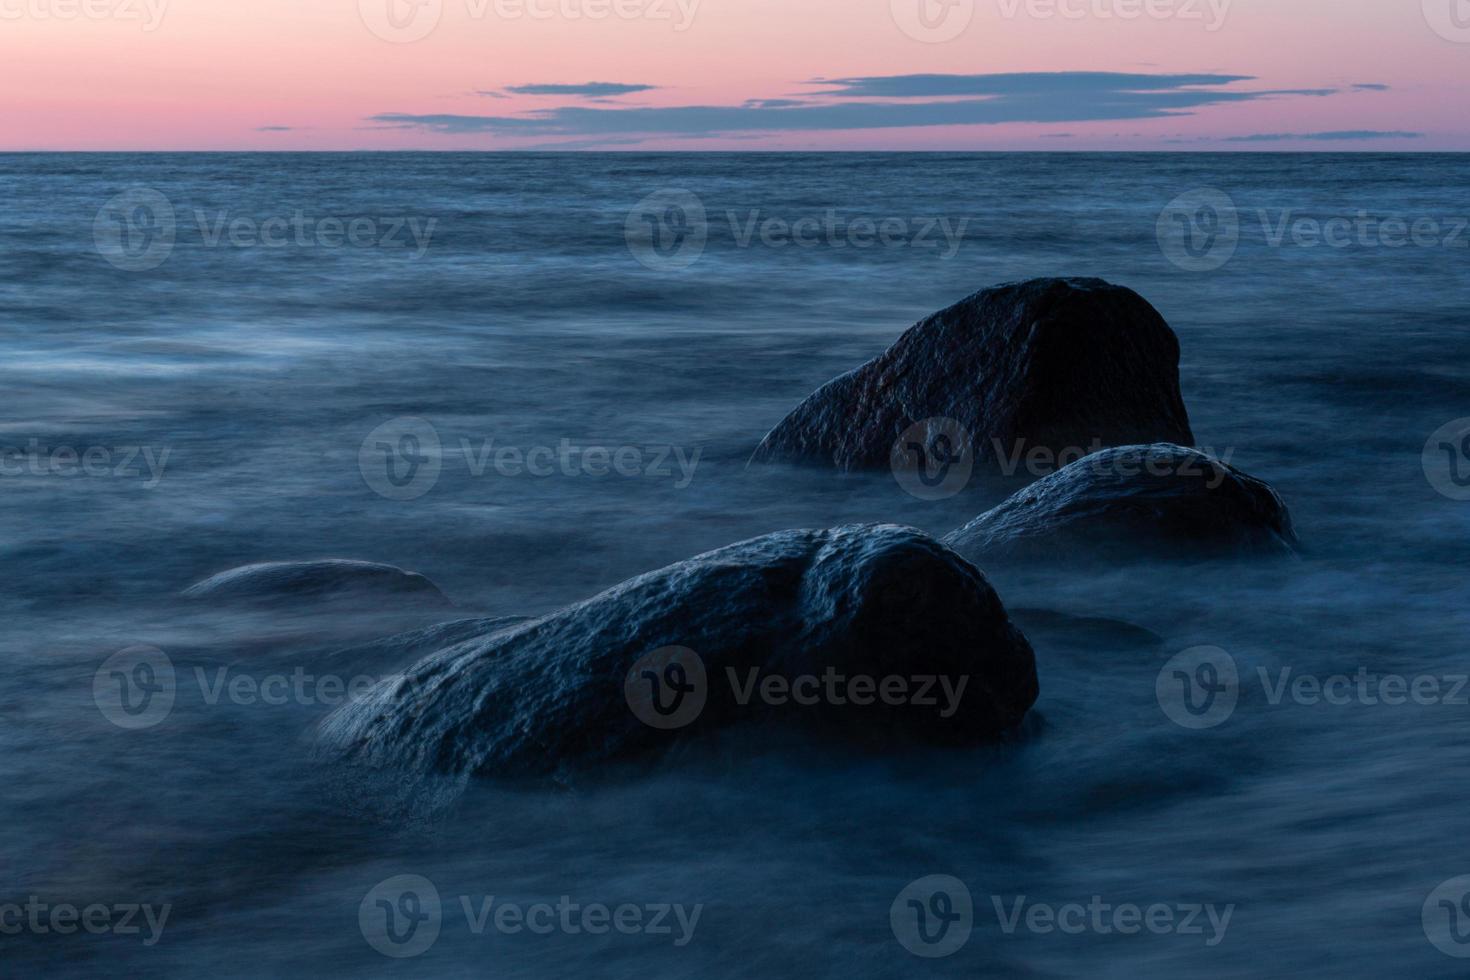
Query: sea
point(209, 360)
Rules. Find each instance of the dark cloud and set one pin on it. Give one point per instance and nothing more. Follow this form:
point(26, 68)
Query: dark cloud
point(909, 101)
point(589, 90)
point(1371, 87)
point(274, 129)
point(1015, 84)
point(1336, 136)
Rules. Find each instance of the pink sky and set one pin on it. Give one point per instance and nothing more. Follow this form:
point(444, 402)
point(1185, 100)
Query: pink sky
point(214, 74)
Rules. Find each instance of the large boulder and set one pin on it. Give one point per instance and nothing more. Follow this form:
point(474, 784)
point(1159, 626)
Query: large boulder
point(580, 687)
point(331, 580)
point(1065, 365)
point(1133, 501)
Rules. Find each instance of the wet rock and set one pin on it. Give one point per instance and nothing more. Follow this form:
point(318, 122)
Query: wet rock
point(335, 580)
point(1061, 365)
point(1160, 501)
point(582, 686)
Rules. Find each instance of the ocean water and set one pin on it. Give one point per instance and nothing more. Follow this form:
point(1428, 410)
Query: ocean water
point(196, 376)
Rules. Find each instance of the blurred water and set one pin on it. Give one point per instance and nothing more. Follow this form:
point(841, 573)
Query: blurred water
point(527, 320)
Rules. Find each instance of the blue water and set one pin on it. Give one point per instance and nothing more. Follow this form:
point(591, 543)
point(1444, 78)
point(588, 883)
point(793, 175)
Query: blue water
point(526, 318)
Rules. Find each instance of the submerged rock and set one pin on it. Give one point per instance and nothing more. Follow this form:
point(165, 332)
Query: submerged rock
point(1062, 365)
point(676, 652)
point(1038, 621)
point(335, 580)
point(1153, 501)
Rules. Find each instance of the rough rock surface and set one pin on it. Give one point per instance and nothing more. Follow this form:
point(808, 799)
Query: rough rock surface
point(335, 580)
point(1064, 364)
point(554, 694)
point(1146, 501)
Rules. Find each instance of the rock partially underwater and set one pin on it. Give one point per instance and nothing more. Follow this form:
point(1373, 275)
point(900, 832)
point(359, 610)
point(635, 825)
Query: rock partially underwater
point(589, 684)
point(336, 581)
point(1066, 365)
point(1160, 501)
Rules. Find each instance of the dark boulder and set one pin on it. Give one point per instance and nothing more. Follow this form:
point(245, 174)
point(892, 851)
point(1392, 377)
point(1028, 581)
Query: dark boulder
point(1065, 365)
point(578, 687)
point(1134, 501)
point(332, 580)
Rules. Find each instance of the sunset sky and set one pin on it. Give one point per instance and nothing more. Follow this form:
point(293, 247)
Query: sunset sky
point(734, 74)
